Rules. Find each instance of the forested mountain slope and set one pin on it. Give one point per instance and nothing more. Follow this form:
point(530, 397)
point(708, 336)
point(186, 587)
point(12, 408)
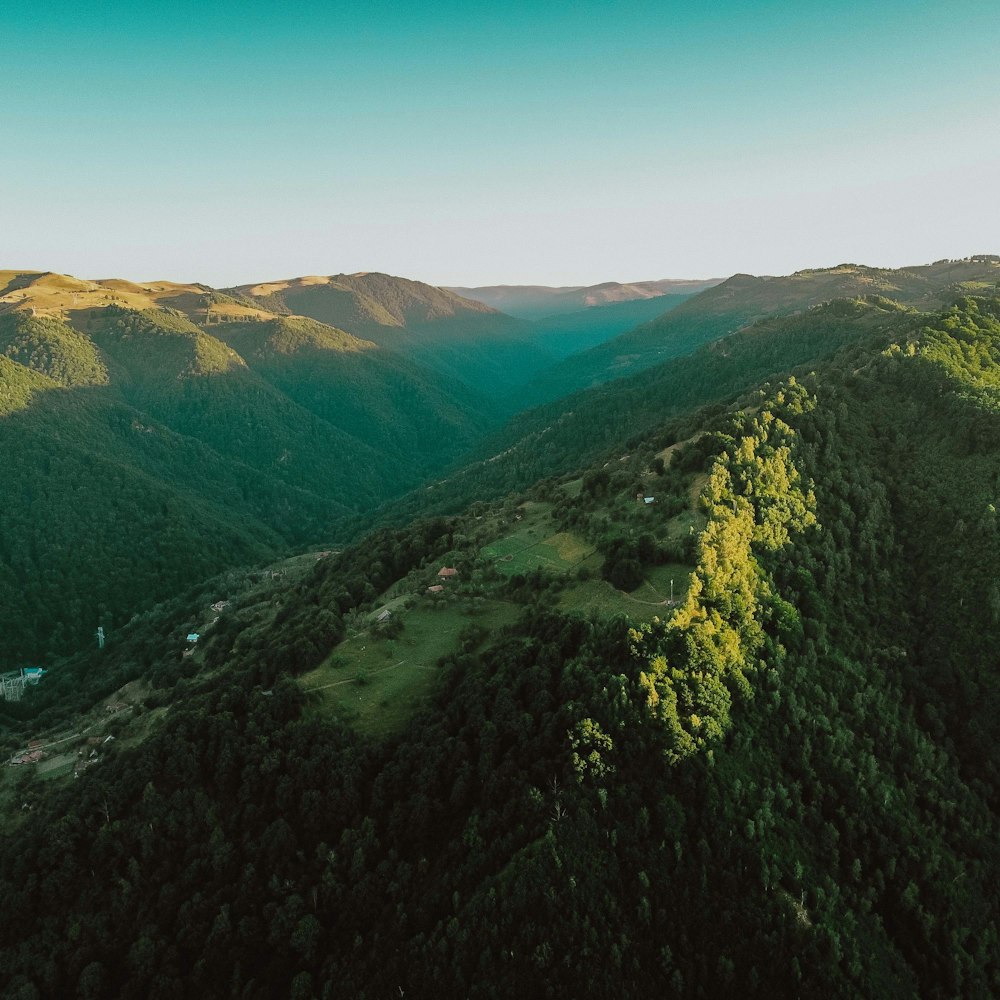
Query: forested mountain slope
point(566, 333)
point(744, 298)
point(538, 302)
point(558, 437)
point(783, 784)
point(461, 338)
point(143, 451)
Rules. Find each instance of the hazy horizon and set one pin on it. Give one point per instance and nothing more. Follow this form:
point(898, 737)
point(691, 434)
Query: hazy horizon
point(196, 279)
point(556, 146)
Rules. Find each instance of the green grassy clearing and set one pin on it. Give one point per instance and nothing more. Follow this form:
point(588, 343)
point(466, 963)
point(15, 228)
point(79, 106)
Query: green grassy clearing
point(535, 526)
point(378, 683)
point(658, 580)
point(559, 553)
point(643, 604)
point(688, 522)
point(533, 545)
point(56, 767)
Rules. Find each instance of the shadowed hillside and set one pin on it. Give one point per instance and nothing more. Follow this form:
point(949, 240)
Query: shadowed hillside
point(461, 338)
point(143, 450)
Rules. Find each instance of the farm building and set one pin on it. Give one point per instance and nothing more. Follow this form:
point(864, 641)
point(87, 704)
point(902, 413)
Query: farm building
point(383, 616)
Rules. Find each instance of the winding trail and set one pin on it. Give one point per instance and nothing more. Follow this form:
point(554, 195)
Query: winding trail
point(354, 680)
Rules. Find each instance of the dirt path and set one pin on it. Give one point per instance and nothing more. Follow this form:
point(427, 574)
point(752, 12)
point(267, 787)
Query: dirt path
point(354, 680)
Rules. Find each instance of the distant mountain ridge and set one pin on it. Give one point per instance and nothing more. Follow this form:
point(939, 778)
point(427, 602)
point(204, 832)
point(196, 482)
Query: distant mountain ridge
point(464, 339)
point(121, 404)
point(745, 298)
point(49, 293)
point(537, 301)
point(364, 297)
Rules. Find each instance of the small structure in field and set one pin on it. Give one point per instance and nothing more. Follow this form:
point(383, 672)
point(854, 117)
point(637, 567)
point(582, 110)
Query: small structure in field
point(648, 500)
point(383, 616)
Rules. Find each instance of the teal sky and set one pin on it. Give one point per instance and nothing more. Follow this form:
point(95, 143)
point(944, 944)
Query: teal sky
point(554, 143)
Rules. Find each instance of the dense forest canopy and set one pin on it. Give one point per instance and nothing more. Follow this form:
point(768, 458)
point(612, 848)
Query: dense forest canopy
point(779, 780)
point(146, 451)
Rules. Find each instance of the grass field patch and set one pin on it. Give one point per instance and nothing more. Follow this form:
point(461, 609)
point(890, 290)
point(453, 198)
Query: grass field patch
point(377, 683)
point(520, 553)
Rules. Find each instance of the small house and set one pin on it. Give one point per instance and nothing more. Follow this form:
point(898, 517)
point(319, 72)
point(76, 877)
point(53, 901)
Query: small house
point(436, 589)
point(193, 637)
point(648, 500)
point(383, 616)
point(446, 572)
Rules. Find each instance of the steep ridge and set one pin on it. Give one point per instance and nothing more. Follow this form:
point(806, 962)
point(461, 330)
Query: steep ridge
point(124, 427)
point(47, 346)
point(379, 300)
point(552, 439)
point(45, 293)
point(198, 386)
point(542, 301)
point(419, 418)
point(569, 333)
point(458, 337)
point(743, 298)
point(784, 783)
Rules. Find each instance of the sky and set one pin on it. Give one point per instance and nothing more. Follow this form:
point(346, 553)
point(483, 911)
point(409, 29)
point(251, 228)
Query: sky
point(469, 144)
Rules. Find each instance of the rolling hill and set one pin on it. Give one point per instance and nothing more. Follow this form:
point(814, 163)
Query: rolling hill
point(740, 741)
point(457, 337)
point(744, 298)
point(543, 301)
point(556, 437)
point(145, 449)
